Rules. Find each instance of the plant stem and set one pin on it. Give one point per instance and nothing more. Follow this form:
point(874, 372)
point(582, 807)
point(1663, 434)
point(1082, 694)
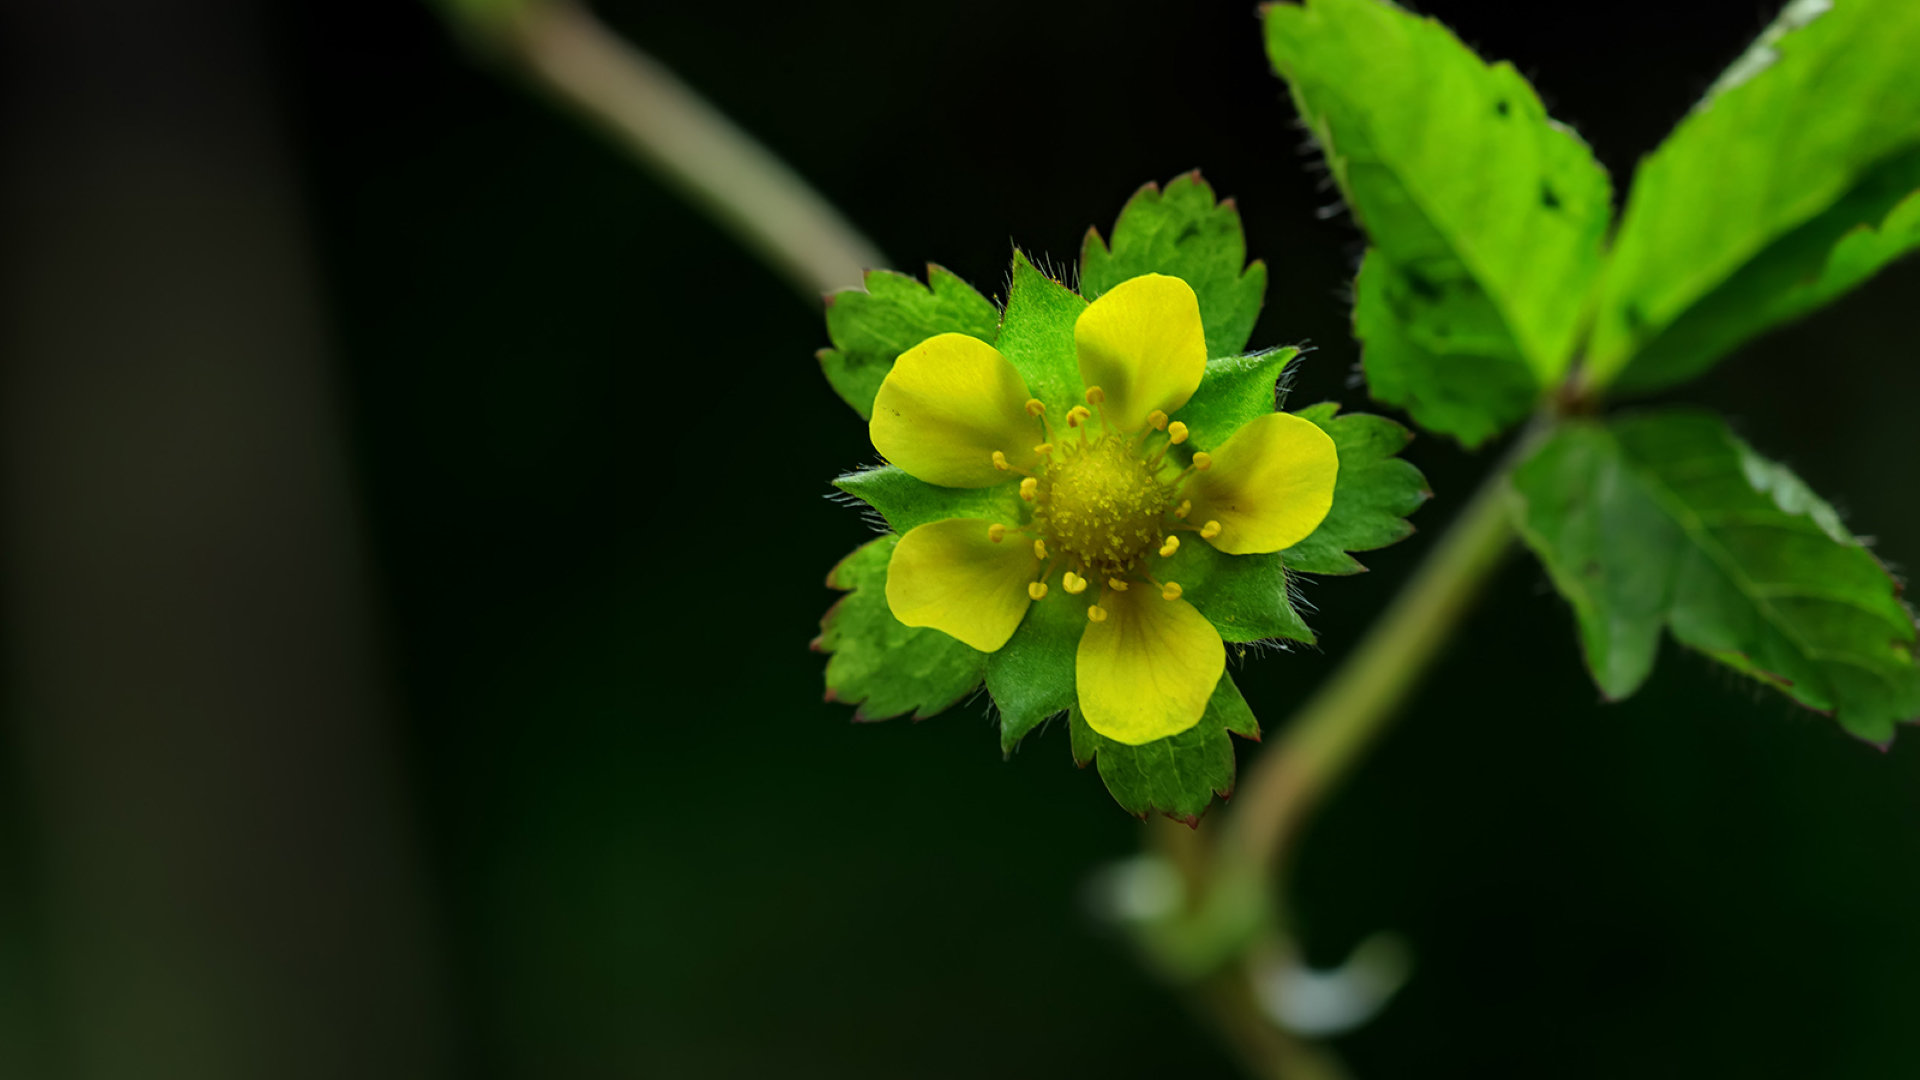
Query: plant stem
point(685, 141)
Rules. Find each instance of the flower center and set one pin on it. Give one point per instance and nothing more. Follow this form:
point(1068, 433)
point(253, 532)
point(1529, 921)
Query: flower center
point(1101, 505)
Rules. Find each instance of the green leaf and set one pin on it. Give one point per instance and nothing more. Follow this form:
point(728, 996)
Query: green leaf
point(1245, 597)
point(1233, 391)
point(1439, 353)
point(1031, 678)
point(1788, 185)
point(1372, 496)
point(871, 328)
point(1486, 217)
point(1182, 232)
point(880, 664)
point(1179, 775)
point(906, 503)
point(1036, 336)
point(1667, 519)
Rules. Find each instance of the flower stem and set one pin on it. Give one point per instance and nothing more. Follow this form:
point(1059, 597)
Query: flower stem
point(682, 139)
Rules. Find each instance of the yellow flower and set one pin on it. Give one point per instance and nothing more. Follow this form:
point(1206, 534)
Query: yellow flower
point(1106, 490)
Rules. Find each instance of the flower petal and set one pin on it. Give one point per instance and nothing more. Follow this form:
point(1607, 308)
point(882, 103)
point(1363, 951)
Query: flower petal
point(1270, 486)
point(1148, 669)
point(1142, 343)
point(948, 575)
point(946, 406)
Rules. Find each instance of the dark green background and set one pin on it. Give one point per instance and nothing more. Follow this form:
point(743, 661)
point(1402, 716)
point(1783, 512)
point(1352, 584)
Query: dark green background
point(591, 449)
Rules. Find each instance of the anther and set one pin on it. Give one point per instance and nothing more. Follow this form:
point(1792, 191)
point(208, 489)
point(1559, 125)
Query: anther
point(1036, 407)
point(1029, 488)
point(1039, 549)
point(1095, 395)
point(1073, 583)
point(996, 532)
point(1096, 613)
point(1185, 508)
point(1037, 589)
point(1043, 449)
point(1000, 461)
point(1177, 432)
point(1172, 545)
point(1116, 584)
point(1077, 414)
point(1210, 530)
point(1170, 591)
point(1202, 460)
point(1157, 420)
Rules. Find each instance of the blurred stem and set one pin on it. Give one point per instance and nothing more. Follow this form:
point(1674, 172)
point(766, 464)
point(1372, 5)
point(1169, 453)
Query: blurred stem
point(681, 138)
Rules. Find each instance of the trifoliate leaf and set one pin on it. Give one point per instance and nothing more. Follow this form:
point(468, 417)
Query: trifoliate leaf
point(1234, 390)
point(871, 328)
point(1182, 232)
point(1031, 678)
point(1372, 496)
point(1783, 189)
point(1486, 217)
point(906, 503)
point(880, 664)
point(1036, 336)
point(1667, 519)
point(1177, 776)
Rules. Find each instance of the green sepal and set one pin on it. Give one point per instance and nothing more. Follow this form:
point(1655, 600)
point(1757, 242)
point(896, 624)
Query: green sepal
point(1667, 519)
point(1036, 336)
point(871, 328)
point(1372, 496)
point(1179, 775)
point(1480, 272)
point(1234, 390)
point(876, 662)
point(1245, 597)
point(906, 503)
point(1031, 677)
point(1788, 185)
point(1182, 232)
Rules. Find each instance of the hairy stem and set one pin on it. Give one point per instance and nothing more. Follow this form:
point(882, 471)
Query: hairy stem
point(686, 142)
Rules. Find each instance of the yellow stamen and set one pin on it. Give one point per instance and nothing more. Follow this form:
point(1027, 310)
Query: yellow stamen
point(1029, 488)
point(1210, 530)
point(1000, 461)
point(1073, 583)
point(1096, 613)
point(1202, 460)
point(996, 532)
point(1039, 549)
point(1170, 591)
point(1177, 432)
point(1116, 584)
point(1185, 508)
point(1077, 415)
point(1037, 589)
point(1095, 395)
point(1172, 545)
point(1043, 449)
point(1036, 407)
point(1157, 420)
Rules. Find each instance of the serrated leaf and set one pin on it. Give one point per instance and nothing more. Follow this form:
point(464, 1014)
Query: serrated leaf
point(1234, 390)
point(1182, 232)
point(1667, 519)
point(1486, 217)
point(906, 503)
point(878, 663)
point(1788, 185)
point(1372, 496)
point(1031, 678)
point(1177, 776)
point(1036, 336)
point(871, 328)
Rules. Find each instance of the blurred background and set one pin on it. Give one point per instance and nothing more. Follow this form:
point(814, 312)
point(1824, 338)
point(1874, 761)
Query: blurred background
point(414, 527)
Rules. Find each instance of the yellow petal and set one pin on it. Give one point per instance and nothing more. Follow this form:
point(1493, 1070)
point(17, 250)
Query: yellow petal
point(1270, 485)
point(1142, 343)
point(946, 406)
point(948, 575)
point(1147, 670)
